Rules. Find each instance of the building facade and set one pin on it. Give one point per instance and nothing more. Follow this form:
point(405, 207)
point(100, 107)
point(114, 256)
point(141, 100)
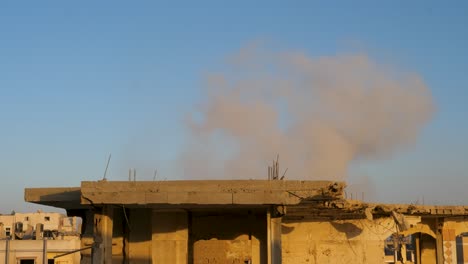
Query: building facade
point(253, 221)
point(37, 238)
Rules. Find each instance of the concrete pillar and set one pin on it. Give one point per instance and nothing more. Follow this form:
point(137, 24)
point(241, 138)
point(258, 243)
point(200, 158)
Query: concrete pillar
point(2, 231)
point(403, 252)
point(268, 226)
point(274, 219)
point(418, 248)
point(275, 228)
point(439, 241)
point(7, 251)
point(39, 231)
point(103, 225)
point(449, 245)
point(170, 237)
point(44, 251)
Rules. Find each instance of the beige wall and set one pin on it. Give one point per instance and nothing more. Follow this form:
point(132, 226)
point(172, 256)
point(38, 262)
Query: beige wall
point(351, 241)
point(34, 249)
point(170, 237)
point(40, 218)
point(464, 245)
point(50, 221)
point(180, 237)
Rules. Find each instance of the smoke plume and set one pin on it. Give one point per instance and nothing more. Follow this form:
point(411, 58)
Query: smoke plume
point(318, 113)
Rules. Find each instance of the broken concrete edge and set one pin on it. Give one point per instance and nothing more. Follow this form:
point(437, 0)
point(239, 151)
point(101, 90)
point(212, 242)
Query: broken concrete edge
point(407, 209)
point(343, 209)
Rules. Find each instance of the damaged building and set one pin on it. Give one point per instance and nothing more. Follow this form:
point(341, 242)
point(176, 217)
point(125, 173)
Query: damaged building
point(253, 221)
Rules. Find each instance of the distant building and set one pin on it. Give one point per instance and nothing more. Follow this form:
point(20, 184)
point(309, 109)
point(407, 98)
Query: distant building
point(38, 238)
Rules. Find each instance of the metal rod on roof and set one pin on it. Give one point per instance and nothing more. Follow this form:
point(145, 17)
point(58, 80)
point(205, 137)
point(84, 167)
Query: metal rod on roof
point(277, 167)
point(155, 174)
point(282, 177)
point(107, 166)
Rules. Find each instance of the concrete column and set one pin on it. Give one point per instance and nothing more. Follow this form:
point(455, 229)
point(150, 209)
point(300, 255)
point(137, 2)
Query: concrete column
point(44, 251)
point(418, 248)
point(268, 226)
point(103, 225)
point(170, 237)
point(274, 219)
point(450, 246)
point(439, 241)
point(7, 251)
point(276, 240)
point(403, 253)
point(39, 231)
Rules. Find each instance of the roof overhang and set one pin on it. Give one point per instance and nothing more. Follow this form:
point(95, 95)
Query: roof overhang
point(67, 198)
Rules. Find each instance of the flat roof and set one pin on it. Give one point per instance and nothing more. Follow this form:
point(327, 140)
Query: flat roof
point(315, 199)
point(189, 192)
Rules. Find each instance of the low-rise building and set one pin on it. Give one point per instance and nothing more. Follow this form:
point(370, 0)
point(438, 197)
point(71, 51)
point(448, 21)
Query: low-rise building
point(253, 221)
point(37, 238)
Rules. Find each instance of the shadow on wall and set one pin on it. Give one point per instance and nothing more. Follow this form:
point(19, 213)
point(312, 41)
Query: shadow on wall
point(351, 230)
point(286, 229)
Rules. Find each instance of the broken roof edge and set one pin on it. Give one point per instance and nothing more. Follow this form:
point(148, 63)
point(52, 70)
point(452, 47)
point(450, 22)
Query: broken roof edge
point(407, 209)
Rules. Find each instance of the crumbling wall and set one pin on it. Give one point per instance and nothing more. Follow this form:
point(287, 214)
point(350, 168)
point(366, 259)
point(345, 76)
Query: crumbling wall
point(345, 241)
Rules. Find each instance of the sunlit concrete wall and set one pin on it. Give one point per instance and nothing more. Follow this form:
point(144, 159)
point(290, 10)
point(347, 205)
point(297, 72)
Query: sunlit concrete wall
point(145, 235)
point(33, 249)
point(350, 241)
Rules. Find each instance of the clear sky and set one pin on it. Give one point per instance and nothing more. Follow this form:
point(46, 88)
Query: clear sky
point(82, 79)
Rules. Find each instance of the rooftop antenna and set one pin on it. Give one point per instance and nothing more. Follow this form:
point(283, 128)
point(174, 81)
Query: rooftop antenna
point(107, 166)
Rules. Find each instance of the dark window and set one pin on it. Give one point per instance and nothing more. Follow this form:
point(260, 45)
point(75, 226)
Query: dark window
point(27, 261)
point(50, 261)
point(47, 218)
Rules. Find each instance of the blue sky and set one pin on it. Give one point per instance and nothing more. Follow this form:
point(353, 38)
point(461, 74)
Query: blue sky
point(80, 80)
